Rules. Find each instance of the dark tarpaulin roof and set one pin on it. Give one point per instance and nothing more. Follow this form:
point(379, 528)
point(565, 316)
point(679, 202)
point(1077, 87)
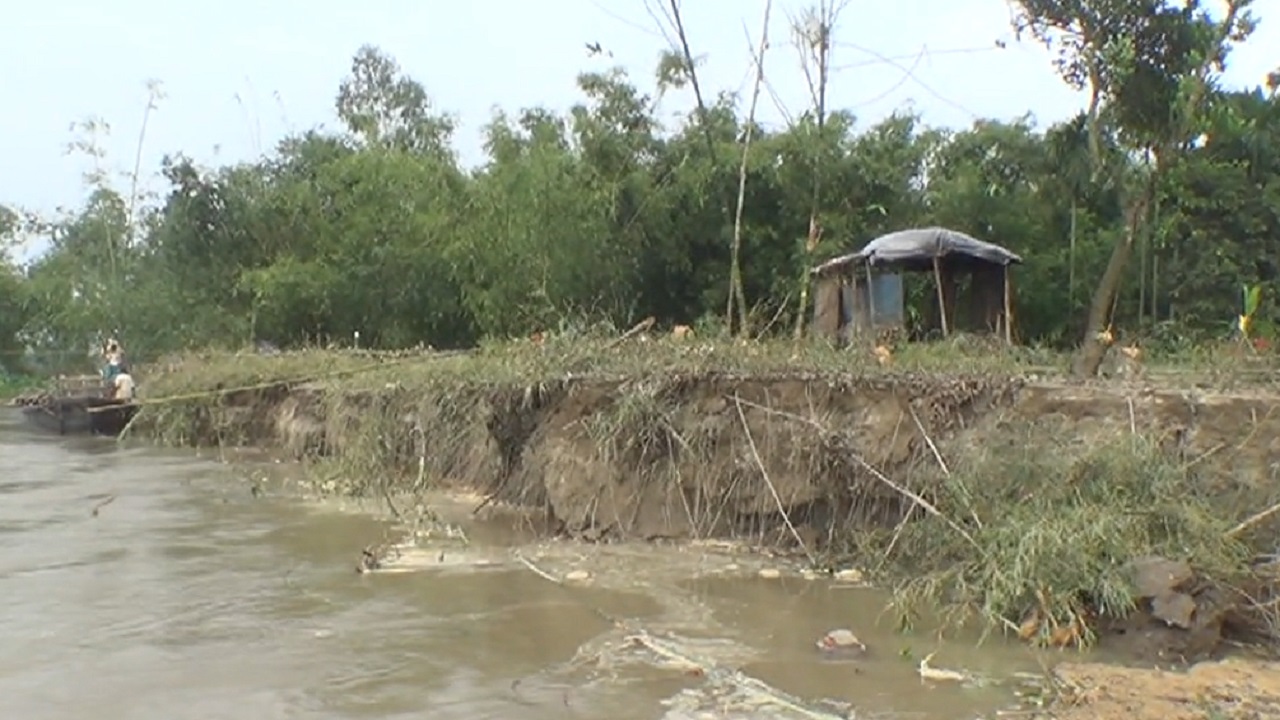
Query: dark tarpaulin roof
point(918, 247)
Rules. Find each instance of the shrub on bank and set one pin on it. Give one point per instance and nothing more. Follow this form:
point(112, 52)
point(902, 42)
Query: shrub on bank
point(1036, 535)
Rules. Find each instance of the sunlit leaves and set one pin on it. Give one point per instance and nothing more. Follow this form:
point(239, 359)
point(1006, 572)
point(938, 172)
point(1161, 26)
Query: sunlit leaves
point(385, 108)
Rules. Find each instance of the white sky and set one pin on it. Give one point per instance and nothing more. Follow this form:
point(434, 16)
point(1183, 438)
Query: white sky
point(240, 75)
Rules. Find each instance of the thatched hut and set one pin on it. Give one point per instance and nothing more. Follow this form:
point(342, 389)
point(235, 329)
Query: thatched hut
point(865, 291)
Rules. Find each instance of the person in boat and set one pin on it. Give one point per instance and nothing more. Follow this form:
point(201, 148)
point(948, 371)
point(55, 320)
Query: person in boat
point(114, 356)
point(122, 387)
point(116, 372)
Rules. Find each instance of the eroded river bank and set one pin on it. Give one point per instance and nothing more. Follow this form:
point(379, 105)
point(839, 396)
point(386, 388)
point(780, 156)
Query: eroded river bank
point(1034, 501)
point(168, 587)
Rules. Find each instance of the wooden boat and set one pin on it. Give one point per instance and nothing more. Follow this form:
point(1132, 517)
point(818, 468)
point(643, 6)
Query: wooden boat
point(79, 411)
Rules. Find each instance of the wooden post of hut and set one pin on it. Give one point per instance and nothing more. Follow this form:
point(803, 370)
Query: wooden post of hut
point(1007, 319)
point(942, 295)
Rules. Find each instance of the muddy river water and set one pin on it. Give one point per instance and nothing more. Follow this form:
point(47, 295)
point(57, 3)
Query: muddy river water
point(188, 596)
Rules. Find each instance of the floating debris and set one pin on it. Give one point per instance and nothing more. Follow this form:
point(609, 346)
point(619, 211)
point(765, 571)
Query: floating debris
point(928, 672)
point(841, 641)
point(849, 575)
point(101, 504)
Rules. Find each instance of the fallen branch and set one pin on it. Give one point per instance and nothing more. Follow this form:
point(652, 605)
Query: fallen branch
point(1251, 521)
point(755, 453)
point(941, 463)
point(386, 496)
point(893, 542)
point(636, 329)
point(537, 570)
point(929, 441)
point(487, 499)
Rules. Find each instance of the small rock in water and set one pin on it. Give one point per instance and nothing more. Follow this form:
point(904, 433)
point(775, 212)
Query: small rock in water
point(577, 575)
point(808, 574)
point(731, 567)
point(770, 574)
point(851, 575)
point(841, 641)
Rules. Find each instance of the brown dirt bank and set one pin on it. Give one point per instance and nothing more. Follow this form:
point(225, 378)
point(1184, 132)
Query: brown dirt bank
point(1226, 690)
point(1018, 500)
point(590, 450)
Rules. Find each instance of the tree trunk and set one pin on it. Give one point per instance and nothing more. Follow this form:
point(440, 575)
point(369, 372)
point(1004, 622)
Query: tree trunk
point(1071, 272)
point(735, 263)
point(736, 294)
point(822, 57)
point(1089, 358)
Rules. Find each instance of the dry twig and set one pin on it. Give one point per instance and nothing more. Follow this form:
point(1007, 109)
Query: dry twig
point(1252, 520)
point(755, 453)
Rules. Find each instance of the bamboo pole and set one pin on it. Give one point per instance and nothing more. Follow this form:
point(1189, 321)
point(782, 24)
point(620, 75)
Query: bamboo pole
point(1008, 308)
point(942, 301)
point(871, 307)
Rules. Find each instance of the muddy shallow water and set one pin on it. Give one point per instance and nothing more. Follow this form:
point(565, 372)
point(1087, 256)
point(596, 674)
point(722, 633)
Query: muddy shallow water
point(188, 596)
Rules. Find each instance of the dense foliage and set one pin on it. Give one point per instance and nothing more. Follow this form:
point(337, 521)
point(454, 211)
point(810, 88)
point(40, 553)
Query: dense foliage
point(604, 213)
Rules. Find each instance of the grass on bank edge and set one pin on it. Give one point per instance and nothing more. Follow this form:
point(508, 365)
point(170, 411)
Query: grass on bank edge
point(1052, 530)
point(600, 354)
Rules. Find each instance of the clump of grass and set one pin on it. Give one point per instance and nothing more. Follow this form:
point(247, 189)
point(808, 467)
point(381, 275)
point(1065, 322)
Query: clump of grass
point(1053, 531)
point(524, 362)
point(637, 428)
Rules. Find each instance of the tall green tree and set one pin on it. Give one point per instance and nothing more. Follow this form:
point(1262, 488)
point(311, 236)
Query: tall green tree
point(615, 210)
point(1149, 65)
